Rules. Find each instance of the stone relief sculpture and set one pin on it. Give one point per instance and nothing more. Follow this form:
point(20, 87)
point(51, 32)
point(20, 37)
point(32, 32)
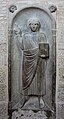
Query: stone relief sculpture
point(35, 51)
point(32, 62)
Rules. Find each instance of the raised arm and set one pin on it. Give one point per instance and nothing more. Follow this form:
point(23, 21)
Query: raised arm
point(18, 37)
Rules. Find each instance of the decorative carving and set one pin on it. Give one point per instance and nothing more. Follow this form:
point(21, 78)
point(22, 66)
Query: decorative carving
point(52, 8)
point(12, 8)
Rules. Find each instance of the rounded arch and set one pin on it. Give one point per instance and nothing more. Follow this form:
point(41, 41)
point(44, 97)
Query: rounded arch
point(46, 11)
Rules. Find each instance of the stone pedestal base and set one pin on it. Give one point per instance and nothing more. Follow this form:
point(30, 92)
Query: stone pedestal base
point(23, 114)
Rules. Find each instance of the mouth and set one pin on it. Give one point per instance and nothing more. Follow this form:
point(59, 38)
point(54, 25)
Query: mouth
point(34, 28)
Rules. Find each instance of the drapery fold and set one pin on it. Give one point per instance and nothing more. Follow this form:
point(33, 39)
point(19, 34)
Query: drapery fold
point(30, 59)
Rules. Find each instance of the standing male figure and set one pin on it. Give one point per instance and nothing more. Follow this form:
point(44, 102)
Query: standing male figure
point(33, 64)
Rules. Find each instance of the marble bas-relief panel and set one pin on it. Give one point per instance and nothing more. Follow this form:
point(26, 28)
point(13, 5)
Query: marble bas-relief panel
point(32, 63)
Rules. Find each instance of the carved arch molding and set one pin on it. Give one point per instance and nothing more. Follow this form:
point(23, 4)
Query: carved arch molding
point(32, 63)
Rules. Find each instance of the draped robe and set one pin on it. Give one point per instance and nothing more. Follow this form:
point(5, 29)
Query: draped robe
point(33, 68)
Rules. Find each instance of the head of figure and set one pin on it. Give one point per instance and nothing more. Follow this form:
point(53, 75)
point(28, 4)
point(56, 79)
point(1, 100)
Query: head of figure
point(34, 24)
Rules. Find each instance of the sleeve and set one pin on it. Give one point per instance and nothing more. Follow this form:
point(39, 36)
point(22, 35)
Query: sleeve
point(19, 43)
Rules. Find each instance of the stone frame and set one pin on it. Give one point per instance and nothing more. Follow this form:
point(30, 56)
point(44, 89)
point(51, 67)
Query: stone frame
point(9, 44)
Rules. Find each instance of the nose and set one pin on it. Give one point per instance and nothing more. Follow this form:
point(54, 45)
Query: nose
point(33, 26)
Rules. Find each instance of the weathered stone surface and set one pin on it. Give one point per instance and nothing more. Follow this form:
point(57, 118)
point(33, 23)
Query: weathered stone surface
point(60, 111)
point(3, 111)
point(3, 92)
point(60, 45)
point(3, 74)
point(3, 59)
point(3, 54)
point(61, 92)
point(20, 114)
point(16, 71)
point(61, 74)
point(46, 24)
point(60, 60)
point(3, 21)
point(3, 48)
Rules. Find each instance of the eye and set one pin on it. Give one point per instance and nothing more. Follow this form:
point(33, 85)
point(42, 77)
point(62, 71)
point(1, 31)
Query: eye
point(29, 24)
point(37, 24)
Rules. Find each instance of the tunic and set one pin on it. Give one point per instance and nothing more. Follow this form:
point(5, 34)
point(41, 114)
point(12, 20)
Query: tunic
point(33, 68)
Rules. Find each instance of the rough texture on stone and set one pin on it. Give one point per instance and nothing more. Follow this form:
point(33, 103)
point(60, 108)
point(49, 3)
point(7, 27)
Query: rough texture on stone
point(3, 60)
point(20, 114)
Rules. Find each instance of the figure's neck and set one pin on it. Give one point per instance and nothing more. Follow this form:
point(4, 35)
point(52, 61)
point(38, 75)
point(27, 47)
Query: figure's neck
point(34, 32)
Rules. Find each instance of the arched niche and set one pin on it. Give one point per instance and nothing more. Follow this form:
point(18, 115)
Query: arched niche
point(48, 27)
